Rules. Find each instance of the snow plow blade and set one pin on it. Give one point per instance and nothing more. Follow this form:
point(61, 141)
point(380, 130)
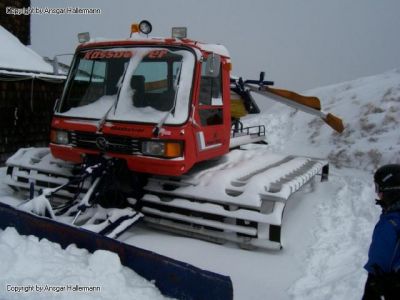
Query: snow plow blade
point(308, 104)
point(173, 278)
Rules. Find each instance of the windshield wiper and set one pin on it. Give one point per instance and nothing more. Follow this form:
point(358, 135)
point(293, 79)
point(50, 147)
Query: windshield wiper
point(157, 128)
point(113, 105)
point(103, 119)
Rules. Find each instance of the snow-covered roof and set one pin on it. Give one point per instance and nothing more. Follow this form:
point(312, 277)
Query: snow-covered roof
point(29, 75)
point(16, 56)
point(217, 49)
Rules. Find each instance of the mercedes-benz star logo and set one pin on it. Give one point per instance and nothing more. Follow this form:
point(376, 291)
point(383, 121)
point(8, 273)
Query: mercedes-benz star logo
point(101, 143)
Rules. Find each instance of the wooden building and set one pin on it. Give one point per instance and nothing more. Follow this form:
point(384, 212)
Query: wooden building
point(28, 87)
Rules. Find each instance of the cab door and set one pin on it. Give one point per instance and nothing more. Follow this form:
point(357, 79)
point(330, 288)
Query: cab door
point(213, 133)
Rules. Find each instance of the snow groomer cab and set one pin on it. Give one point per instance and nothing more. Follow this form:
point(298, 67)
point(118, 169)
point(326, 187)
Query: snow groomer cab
point(160, 104)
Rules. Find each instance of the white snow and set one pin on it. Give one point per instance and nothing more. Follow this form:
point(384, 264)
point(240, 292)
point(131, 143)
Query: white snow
point(33, 269)
point(96, 110)
point(215, 48)
point(326, 227)
point(370, 108)
point(16, 56)
point(240, 164)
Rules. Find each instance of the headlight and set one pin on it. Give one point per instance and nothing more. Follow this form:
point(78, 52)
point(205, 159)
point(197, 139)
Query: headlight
point(162, 148)
point(59, 137)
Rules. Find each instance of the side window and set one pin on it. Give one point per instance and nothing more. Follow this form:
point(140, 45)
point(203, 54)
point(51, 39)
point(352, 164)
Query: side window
point(210, 98)
point(210, 88)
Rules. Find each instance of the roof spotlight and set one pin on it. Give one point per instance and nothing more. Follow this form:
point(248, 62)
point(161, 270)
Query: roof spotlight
point(83, 37)
point(145, 27)
point(179, 32)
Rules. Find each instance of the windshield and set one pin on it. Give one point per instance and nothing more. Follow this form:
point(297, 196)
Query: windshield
point(142, 84)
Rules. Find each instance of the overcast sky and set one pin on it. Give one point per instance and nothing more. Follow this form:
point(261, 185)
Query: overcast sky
point(300, 44)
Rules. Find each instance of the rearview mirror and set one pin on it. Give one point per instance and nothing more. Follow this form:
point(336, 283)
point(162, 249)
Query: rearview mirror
point(213, 63)
point(64, 65)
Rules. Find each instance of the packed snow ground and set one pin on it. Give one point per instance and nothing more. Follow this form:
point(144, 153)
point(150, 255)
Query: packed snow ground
point(327, 226)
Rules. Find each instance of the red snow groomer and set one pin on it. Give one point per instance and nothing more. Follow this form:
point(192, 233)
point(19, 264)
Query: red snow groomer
point(152, 127)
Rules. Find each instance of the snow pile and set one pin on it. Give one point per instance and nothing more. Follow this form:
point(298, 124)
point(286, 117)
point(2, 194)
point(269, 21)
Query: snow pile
point(16, 56)
point(333, 264)
point(345, 214)
point(370, 109)
point(326, 228)
point(33, 269)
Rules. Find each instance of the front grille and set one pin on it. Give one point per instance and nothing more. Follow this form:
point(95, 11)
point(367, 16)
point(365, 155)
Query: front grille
point(110, 143)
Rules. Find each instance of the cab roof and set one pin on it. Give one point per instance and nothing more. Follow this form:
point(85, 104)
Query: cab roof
point(140, 40)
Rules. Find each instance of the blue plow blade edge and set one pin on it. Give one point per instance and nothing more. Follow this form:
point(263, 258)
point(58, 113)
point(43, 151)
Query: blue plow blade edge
point(172, 277)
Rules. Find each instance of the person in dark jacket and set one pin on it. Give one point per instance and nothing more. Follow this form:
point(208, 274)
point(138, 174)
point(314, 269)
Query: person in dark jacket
point(383, 264)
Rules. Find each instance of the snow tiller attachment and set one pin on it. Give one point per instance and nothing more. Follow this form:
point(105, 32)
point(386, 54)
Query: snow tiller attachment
point(75, 195)
point(156, 127)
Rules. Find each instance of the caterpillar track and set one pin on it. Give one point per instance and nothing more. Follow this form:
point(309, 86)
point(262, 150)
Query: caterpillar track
point(239, 198)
